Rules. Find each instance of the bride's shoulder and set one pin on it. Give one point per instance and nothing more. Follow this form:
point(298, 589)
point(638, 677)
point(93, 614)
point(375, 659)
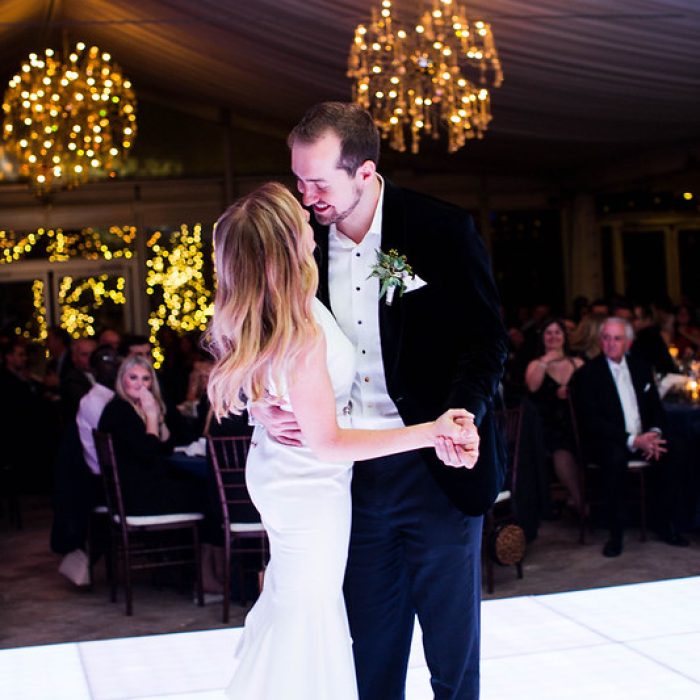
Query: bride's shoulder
point(320, 310)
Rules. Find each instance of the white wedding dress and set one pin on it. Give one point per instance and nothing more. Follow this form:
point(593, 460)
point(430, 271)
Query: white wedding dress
point(296, 643)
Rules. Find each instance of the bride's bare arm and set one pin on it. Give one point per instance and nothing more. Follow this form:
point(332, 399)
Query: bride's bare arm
point(311, 396)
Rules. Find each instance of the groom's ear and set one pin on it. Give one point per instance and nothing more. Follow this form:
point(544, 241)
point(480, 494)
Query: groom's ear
point(367, 170)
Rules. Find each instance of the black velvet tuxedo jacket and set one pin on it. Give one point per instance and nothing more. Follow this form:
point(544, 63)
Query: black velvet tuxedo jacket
point(443, 345)
point(599, 409)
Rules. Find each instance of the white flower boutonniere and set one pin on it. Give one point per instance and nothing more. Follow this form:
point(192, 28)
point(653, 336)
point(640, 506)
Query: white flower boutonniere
point(394, 273)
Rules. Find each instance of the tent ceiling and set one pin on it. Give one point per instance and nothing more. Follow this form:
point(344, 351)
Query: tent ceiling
point(596, 76)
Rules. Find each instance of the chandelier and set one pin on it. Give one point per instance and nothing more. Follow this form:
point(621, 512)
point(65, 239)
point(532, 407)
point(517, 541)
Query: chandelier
point(67, 120)
point(426, 79)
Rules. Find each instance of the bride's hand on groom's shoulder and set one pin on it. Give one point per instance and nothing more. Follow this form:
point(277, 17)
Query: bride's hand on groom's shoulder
point(457, 439)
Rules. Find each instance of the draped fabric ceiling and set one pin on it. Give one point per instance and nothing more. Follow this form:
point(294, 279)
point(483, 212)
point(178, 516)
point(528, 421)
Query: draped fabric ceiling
point(591, 76)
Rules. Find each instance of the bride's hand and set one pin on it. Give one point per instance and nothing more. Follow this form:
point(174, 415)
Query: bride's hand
point(457, 439)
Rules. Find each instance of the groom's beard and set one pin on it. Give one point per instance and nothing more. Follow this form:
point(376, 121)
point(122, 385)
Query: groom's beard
point(333, 216)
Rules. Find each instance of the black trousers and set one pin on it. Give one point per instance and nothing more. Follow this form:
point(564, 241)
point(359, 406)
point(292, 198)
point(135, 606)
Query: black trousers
point(412, 552)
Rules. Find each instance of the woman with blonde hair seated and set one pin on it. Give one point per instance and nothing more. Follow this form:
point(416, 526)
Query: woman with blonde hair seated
point(271, 338)
point(135, 418)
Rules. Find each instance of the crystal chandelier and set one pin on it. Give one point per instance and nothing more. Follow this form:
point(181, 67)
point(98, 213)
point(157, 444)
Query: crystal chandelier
point(432, 77)
point(67, 120)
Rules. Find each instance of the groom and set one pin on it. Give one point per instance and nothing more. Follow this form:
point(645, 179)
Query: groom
point(416, 521)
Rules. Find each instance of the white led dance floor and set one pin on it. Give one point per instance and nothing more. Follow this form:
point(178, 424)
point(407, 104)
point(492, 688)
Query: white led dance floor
point(640, 642)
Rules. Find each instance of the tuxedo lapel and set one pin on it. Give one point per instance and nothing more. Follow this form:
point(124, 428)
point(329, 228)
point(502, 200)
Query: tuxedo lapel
point(637, 382)
point(609, 388)
point(321, 257)
point(391, 317)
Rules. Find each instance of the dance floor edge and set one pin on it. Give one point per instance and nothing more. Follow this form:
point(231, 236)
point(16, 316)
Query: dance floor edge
point(639, 641)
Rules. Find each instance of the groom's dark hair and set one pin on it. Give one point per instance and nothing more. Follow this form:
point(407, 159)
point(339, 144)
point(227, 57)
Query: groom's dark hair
point(359, 136)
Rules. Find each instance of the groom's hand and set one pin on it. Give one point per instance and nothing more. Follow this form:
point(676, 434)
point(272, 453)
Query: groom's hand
point(462, 455)
point(279, 424)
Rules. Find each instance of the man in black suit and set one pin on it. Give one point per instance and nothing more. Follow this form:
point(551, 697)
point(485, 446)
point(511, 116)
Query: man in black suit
point(621, 418)
point(416, 522)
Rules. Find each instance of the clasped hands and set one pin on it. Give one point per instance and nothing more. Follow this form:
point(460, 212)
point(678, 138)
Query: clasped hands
point(650, 444)
point(457, 439)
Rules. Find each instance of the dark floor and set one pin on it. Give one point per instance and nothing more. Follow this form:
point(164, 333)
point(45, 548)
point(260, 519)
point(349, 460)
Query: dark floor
point(39, 606)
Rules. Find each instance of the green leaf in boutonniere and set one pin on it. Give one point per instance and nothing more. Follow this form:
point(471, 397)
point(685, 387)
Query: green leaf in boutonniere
point(391, 270)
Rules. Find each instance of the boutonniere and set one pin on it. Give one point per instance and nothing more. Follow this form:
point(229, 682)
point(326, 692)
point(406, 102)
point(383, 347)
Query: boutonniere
point(394, 273)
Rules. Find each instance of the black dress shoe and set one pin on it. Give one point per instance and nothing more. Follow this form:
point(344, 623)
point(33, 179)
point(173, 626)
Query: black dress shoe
point(613, 548)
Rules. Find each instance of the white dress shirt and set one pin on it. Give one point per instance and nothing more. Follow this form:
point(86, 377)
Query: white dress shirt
point(625, 390)
point(354, 302)
point(88, 418)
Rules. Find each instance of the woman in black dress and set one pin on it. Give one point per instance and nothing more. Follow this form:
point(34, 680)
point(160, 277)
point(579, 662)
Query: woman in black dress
point(135, 418)
point(547, 378)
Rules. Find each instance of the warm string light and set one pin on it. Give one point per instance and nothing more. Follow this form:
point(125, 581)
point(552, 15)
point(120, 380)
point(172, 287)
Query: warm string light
point(36, 329)
point(68, 119)
point(58, 246)
point(693, 390)
point(414, 78)
point(78, 301)
point(175, 281)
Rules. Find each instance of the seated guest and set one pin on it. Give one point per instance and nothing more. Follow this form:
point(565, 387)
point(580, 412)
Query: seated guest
point(15, 372)
point(108, 336)
point(621, 418)
point(140, 345)
point(652, 342)
point(619, 308)
point(135, 418)
point(547, 378)
point(58, 343)
point(78, 380)
point(600, 307)
point(198, 379)
point(77, 486)
point(585, 339)
point(136, 345)
point(104, 363)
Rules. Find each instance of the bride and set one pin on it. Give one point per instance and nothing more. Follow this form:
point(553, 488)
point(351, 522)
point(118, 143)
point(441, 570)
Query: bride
point(272, 339)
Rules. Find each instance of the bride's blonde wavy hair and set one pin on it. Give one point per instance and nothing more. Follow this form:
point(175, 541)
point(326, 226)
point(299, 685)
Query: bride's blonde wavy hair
point(266, 282)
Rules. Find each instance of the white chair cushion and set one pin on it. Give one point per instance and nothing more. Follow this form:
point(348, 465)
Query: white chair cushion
point(165, 519)
point(247, 527)
point(632, 464)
